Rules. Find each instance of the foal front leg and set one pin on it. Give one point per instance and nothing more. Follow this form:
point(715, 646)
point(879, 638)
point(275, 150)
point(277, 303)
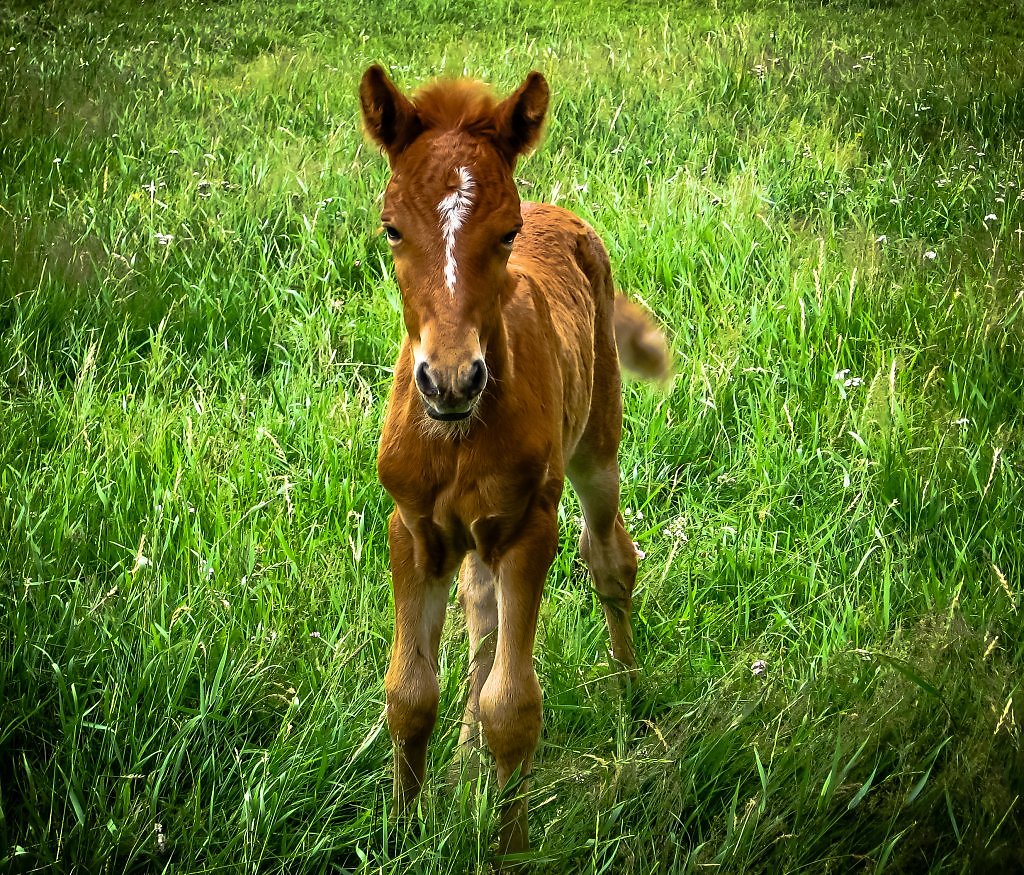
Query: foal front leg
point(510, 701)
point(411, 680)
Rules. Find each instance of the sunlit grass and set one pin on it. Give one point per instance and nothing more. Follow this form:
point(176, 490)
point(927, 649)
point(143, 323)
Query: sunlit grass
point(197, 324)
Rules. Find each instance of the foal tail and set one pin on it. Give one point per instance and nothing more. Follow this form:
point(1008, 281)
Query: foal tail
point(643, 348)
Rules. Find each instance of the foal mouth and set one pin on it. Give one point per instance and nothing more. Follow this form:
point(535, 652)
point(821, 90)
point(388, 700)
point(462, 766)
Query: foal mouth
point(447, 415)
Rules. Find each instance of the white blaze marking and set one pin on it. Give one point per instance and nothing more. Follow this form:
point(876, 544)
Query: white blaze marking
point(454, 209)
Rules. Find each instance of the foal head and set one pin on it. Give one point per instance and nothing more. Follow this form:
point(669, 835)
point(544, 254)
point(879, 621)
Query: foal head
point(451, 214)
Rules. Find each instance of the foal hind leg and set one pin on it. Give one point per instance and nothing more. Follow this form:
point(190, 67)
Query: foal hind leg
point(476, 595)
point(608, 550)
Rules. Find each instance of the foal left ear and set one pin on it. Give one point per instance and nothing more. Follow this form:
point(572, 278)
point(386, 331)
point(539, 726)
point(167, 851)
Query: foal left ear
point(520, 117)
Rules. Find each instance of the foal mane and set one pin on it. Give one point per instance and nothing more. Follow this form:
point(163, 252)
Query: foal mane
point(457, 105)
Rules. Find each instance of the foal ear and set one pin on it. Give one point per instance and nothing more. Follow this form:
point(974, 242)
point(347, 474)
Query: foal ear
point(389, 116)
point(520, 116)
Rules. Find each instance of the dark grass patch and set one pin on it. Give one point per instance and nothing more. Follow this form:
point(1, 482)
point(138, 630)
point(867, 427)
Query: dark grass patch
point(908, 757)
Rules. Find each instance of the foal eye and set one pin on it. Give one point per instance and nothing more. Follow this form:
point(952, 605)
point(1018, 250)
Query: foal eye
point(509, 238)
point(393, 234)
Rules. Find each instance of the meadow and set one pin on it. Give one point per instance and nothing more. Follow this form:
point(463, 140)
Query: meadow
point(821, 203)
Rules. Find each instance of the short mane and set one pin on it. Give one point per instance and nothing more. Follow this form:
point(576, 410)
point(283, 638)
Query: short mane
point(457, 105)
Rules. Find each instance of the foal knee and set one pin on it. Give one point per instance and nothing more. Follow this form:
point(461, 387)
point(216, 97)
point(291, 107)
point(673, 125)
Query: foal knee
point(412, 698)
point(510, 712)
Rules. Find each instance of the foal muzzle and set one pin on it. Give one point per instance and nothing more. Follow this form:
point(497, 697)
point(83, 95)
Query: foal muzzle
point(450, 395)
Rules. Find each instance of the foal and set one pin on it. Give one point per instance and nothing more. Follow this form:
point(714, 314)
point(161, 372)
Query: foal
point(507, 382)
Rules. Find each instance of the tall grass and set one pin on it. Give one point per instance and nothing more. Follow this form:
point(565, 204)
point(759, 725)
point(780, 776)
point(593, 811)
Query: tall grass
point(197, 323)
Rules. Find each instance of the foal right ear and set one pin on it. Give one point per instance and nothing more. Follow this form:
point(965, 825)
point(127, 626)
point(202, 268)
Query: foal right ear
point(389, 116)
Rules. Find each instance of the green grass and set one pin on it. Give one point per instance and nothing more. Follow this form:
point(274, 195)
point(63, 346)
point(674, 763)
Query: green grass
point(197, 323)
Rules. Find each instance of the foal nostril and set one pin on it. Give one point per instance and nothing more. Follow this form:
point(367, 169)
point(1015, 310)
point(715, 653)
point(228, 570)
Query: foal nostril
point(424, 382)
point(477, 379)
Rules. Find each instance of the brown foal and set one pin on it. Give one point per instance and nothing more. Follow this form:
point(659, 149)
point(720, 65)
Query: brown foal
point(507, 382)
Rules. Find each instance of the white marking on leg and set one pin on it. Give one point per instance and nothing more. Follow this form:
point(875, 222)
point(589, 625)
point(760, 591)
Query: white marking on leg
point(454, 209)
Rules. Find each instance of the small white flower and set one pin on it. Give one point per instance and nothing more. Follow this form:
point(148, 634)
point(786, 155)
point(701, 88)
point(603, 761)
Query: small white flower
point(991, 217)
point(58, 161)
point(881, 238)
point(640, 554)
point(676, 530)
point(930, 255)
point(759, 668)
point(163, 239)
